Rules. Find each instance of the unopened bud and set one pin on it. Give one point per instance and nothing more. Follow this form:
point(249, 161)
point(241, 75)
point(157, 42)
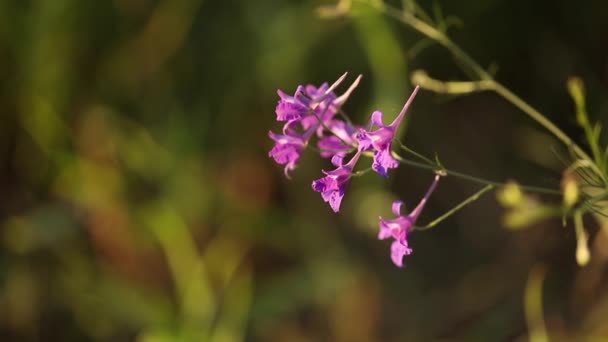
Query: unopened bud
point(582, 252)
point(570, 189)
point(576, 88)
point(510, 195)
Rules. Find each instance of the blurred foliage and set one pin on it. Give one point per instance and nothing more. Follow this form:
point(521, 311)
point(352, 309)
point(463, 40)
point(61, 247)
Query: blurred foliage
point(138, 202)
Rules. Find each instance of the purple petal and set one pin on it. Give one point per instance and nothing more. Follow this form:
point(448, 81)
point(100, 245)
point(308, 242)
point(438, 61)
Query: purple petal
point(286, 150)
point(384, 161)
point(283, 154)
point(379, 139)
point(333, 186)
point(398, 251)
point(337, 159)
point(335, 199)
point(397, 208)
point(313, 91)
point(398, 228)
point(320, 184)
point(365, 143)
point(283, 96)
point(287, 111)
point(385, 230)
point(342, 130)
point(377, 119)
point(331, 189)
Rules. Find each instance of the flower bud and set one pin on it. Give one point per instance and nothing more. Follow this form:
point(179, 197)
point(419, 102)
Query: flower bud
point(582, 252)
point(510, 195)
point(570, 189)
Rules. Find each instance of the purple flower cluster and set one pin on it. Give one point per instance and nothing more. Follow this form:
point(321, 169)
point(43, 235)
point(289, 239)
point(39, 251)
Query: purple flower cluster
point(312, 111)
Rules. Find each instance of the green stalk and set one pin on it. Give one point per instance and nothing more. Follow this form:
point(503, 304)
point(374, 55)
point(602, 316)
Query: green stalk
point(485, 78)
point(478, 180)
point(462, 204)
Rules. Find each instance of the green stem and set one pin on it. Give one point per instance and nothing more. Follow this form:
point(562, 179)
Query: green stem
point(431, 32)
point(598, 198)
point(538, 117)
point(464, 203)
point(473, 178)
point(361, 172)
point(466, 60)
point(416, 154)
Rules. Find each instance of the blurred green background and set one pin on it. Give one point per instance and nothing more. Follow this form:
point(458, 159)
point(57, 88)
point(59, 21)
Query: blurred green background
point(139, 203)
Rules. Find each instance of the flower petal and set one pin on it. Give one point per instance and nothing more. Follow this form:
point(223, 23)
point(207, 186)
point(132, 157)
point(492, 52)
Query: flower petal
point(377, 119)
point(384, 161)
point(385, 230)
point(288, 110)
point(397, 208)
point(335, 199)
point(398, 251)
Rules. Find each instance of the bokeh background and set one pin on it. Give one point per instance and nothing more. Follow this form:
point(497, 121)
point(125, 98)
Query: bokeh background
point(138, 202)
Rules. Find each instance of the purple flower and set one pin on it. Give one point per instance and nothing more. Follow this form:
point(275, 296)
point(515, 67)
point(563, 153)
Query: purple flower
point(310, 110)
point(287, 150)
point(333, 186)
point(400, 227)
point(381, 139)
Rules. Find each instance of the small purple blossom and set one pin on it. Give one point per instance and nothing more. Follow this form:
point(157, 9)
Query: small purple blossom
point(287, 149)
point(333, 186)
point(400, 227)
point(381, 139)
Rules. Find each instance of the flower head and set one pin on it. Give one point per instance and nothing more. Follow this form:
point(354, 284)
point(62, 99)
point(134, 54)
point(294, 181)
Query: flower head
point(400, 227)
point(381, 139)
point(333, 186)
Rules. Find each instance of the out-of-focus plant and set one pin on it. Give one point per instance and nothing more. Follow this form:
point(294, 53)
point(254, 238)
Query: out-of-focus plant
point(108, 230)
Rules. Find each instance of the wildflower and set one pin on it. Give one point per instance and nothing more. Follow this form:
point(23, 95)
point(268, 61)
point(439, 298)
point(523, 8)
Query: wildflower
point(400, 227)
point(381, 139)
point(287, 149)
point(333, 186)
